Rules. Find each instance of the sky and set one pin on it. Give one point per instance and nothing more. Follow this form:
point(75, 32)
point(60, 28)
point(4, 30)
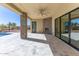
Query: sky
point(7, 16)
point(75, 20)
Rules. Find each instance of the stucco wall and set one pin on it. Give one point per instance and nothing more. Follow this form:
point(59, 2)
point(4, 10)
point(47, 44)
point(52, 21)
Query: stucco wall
point(39, 25)
point(53, 26)
point(42, 24)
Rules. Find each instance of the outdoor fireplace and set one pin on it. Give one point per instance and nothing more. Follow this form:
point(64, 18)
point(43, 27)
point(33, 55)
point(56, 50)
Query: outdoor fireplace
point(46, 30)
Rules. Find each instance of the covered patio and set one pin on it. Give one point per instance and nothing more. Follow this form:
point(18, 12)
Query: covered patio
point(40, 40)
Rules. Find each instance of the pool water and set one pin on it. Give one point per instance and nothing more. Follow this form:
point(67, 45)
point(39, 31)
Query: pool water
point(4, 33)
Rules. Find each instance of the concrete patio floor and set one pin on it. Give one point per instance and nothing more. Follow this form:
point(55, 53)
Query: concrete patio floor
point(32, 46)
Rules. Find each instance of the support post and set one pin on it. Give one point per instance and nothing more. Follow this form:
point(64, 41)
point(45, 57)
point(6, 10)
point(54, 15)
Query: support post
point(23, 26)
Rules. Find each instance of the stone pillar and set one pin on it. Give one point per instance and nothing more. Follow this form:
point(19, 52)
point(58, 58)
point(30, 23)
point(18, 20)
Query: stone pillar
point(23, 26)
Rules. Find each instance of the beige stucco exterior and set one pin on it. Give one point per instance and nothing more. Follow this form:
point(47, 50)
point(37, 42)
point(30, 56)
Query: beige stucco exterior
point(39, 27)
point(42, 24)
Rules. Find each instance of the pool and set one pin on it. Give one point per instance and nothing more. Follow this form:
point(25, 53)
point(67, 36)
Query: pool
point(4, 33)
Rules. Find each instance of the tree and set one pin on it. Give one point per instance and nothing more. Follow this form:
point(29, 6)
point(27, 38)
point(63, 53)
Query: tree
point(9, 25)
point(2, 27)
point(14, 25)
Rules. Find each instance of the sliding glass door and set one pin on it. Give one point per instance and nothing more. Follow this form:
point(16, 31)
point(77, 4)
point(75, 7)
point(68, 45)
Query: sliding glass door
point(67, 27)
point(75, 28)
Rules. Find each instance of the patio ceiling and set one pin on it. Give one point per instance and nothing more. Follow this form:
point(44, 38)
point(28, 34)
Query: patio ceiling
point(52, 9)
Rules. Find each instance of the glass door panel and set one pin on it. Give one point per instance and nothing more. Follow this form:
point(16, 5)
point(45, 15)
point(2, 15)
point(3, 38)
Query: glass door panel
point(65, 28)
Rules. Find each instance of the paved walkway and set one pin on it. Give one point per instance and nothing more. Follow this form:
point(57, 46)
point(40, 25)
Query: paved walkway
point(35, 45)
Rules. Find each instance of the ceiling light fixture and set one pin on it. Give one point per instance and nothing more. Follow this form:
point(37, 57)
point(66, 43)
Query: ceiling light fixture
point(43, 11)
